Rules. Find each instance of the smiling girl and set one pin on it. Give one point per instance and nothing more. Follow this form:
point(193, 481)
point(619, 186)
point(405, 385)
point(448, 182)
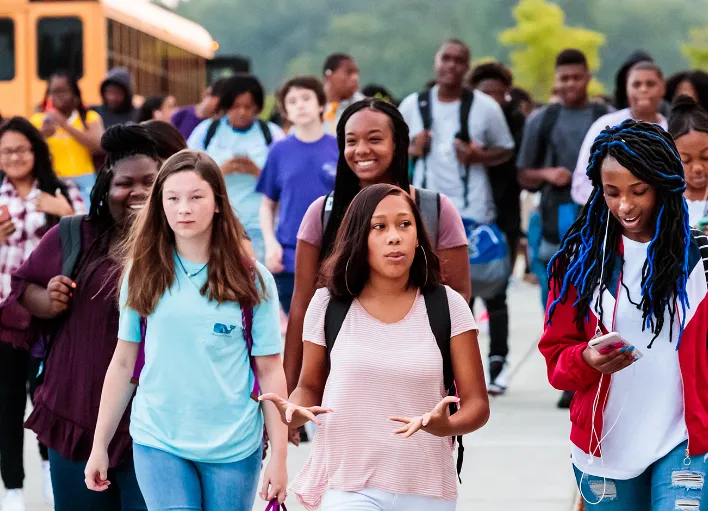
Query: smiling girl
point(373, 148)
point(193, 416)
point(630, 265)
point(688, 126)
point(32, 199)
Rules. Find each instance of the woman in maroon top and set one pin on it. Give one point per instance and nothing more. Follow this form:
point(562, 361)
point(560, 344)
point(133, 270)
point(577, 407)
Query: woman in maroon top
point(83, 312)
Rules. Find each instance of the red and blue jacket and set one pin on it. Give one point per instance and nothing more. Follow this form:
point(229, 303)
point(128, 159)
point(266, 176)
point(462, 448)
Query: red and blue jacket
point(562, 345)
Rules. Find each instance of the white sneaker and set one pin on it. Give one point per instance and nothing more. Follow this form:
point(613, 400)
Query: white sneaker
point(14, 501)
point(498, 376)
point(47, 490)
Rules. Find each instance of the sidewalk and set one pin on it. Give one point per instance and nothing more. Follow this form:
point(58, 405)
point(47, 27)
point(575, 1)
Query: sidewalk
point(519, 461)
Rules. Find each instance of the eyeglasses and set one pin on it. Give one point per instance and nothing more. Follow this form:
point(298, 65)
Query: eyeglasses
point(22, 152)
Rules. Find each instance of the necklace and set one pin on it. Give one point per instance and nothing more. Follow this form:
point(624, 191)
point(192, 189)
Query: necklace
point(179, 259)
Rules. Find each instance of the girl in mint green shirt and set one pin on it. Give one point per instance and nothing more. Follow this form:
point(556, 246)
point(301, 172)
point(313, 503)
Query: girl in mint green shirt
point(197, 430)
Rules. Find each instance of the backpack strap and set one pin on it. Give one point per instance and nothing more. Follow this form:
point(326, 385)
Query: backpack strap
point(267, 135)
point(439, 318)
point(438, 309)
point(464, 134)
point(426, 116)
point(598, 111)
point(70, 236)
point(465, 107)
point(211, 132)
point(428, 203)
point(247, 322)
point(548, 122)
point(326, 212)
point(336, 312)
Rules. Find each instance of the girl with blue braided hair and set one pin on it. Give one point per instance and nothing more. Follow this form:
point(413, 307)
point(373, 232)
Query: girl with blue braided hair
point(631, 265)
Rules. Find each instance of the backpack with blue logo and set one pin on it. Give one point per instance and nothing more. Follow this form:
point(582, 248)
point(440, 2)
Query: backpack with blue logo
point(490, 261)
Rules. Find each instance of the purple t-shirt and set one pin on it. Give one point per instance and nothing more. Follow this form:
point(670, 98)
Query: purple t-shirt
point(295, 174)
point(185, 120)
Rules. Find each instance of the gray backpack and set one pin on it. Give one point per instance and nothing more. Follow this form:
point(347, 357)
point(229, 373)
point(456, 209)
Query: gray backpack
point(428, 203)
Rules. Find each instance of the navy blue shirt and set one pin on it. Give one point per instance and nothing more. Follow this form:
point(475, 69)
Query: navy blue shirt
point(295, 174)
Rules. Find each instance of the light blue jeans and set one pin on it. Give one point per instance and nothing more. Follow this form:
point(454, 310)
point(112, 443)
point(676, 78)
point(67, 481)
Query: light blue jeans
point(172, 483)
point(667, 485)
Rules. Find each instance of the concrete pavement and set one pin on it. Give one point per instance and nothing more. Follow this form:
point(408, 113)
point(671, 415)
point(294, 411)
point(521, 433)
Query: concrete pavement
point(519, 460)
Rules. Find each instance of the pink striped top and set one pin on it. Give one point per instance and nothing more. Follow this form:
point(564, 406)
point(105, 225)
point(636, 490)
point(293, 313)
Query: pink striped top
point(379, 371)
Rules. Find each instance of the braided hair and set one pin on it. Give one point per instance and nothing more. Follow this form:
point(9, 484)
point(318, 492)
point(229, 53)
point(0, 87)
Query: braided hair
point(119, 142)
point(650, 155)
point(347, 184)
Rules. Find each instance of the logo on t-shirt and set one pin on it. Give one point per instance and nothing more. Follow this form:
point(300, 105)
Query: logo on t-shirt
point(221, 329)
point(330, 168)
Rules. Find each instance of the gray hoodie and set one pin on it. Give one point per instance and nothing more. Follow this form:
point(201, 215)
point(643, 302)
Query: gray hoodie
point(117, 76)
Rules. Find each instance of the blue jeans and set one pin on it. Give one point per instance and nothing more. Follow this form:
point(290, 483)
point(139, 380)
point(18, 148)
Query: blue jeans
point(667, 485)
point(286, 284)
point(538, 266)
point(175, 484)
point(71, 494)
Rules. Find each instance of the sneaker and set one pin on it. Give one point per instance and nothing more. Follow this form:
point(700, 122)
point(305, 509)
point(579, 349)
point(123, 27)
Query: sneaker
point(47, 490)
point(566, 398)
point(498, 376)
point(14, 501)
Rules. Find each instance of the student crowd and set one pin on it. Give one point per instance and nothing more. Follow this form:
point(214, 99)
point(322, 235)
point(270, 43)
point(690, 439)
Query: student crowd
point(148, 255)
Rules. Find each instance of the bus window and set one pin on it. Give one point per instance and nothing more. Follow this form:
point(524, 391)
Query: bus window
point(60, 46)
point(7, 50)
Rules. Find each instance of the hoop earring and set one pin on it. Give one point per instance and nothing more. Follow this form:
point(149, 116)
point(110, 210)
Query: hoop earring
point(346, 280)
point(425, 257)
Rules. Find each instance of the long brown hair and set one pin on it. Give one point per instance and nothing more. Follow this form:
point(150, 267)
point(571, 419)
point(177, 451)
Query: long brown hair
point(149, 252)
point(346, 271)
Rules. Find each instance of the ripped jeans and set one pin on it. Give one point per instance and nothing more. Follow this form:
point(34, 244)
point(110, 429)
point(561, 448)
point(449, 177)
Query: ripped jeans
point(667, 485)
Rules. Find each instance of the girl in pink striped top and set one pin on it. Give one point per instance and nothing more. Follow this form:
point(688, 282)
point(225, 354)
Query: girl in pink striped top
point(384, 441)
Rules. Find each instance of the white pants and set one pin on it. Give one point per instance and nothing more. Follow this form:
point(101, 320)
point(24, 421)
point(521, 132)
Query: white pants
point(370, 499)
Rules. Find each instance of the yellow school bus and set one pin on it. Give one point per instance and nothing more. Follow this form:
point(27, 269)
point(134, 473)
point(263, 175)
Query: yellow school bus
point(164, 52)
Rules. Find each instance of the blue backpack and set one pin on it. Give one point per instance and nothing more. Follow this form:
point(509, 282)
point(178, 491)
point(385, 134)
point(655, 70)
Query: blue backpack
point(490, 261)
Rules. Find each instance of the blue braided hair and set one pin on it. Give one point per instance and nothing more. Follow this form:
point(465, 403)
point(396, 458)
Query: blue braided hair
point(650, 155)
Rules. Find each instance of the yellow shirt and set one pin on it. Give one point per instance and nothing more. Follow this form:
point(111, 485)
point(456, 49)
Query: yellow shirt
point(69, 157)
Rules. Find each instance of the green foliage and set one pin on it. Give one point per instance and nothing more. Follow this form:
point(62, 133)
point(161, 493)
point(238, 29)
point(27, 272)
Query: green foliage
point(394, 40)
point(539, 36)
point(696, 51)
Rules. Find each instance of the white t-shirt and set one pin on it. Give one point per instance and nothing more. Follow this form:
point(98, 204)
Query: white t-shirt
point(645, 402)
point(582, 186)
point(697, 209)
point(487, 127)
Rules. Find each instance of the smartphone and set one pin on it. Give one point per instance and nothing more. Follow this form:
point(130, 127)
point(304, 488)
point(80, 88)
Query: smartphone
point(610, 342)
point(4, 214)
point(702, 224)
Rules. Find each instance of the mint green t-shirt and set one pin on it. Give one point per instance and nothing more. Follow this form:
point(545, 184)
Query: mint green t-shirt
point(194, 395)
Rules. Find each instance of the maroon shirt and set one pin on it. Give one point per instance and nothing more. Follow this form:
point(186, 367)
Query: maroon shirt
point(66, 404)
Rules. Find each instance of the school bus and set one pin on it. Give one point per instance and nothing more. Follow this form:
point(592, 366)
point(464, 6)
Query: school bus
point(165, 53)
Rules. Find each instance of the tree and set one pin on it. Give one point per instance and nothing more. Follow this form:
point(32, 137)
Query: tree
point(696, 51)
point(540, 34)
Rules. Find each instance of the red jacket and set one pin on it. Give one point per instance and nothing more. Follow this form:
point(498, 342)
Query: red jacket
point(562, 345)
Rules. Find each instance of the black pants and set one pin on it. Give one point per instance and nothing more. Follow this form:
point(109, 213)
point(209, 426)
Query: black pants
point(498, 324)
point(16, 366)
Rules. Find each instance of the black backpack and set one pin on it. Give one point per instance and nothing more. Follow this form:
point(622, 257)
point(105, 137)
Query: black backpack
point(267, 135)
point(439, 318)
point(557, 208)
point(427, 116)
point(70, 236)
